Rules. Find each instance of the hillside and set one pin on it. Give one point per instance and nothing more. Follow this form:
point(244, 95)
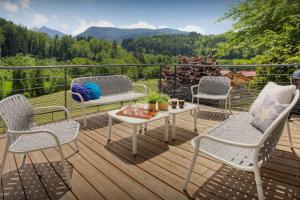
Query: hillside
point(110, 33)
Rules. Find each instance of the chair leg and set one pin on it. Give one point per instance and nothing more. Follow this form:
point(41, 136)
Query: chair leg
point(76, 145)
point(191, 112)
point(260, 192)
point(225, 111)
point(4, 160)
point(229, 102)
point(83, 109)
point(64, 163)
point(190, 170)
point(289, 133)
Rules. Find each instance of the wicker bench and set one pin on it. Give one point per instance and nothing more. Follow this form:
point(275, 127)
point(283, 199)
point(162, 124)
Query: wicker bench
point(115, 88)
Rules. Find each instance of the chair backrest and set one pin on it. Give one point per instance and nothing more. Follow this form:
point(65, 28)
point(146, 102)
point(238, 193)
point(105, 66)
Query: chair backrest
point(109, 85)
point(272, 135)
point(17, 114)
point(215, 85)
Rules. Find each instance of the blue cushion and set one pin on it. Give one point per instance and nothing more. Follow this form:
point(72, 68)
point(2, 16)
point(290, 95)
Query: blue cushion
point(78, 88)
point(94, 90)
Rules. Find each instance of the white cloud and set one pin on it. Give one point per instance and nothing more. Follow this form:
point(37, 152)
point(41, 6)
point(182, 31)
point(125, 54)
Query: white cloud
point(10, 7)
point(39, 19)
point(64, 26)
point(54, 16)
point(139, 24)
point(162, 26)
point(83, 25)
point(193, 28)
point(25, 3)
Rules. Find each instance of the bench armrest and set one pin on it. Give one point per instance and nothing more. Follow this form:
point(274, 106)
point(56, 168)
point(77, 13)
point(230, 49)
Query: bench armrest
point(56, 108)
point(192, 89)
point(141, 85)
point(77, 94)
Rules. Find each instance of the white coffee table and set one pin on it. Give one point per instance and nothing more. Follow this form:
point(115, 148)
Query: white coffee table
point(187, 107)
point(135, 122)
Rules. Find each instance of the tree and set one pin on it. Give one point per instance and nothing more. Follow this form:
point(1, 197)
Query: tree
point(270, 29)
point(1, 42)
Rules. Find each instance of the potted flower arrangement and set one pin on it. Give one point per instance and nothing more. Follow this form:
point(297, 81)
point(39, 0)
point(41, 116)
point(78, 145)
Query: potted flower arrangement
point(153, 97)
point(163, 102)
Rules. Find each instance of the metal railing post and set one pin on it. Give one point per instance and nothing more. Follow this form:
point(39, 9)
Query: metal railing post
point(65, 87)
point(175, 82)
point(160, 74)
point(122, 70)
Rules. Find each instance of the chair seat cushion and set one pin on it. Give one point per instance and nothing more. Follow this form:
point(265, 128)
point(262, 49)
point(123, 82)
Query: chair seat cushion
point(210, 96)
point(66, 131)
point(237, 129)
point(115, 98)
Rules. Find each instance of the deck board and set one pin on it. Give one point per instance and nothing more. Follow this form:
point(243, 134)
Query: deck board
point(104, 170)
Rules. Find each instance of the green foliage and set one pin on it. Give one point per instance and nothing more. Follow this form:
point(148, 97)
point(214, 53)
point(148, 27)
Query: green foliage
point(266, 28)
point(173, 45)
point(163, 98)
point(153, 97)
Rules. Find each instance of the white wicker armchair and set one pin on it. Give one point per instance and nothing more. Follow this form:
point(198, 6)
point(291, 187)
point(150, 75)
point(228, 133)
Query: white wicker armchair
point(214, 88)
point(23, 136)
point(237, 143)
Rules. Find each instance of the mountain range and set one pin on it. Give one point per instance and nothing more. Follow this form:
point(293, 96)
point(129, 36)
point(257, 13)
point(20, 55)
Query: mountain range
point(50, 32)
point(111, 33)
point(118, 34)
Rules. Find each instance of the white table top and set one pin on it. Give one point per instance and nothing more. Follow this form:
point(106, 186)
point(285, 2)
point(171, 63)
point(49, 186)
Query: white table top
point(187, 107)
point(134, 120)
point(160, 115)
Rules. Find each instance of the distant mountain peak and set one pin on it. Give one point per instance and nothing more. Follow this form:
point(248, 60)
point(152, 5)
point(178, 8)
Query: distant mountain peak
point(50, 32)
point(118, 34)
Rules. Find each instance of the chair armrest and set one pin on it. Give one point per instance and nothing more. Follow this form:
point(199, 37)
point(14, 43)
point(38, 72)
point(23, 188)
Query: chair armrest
point(55, 107)
point(192, 89)
point(79, 95)
point(141, 85)
point(227, 142)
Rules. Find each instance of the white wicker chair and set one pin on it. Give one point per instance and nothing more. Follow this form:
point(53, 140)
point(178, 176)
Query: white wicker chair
point(214, 88)
point(237, 143)
point(23, 136)
point(115, 88)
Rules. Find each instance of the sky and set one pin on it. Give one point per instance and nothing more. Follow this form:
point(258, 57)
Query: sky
point(75, 16)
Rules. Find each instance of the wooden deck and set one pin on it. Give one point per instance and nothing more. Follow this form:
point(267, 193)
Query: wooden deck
point(109, 171)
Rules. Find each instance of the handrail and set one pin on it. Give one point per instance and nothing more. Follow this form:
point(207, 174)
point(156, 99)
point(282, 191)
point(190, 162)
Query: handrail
point(145, 65)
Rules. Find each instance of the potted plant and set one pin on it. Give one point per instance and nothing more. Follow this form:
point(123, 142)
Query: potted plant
point(152, 101)
point(163, 102)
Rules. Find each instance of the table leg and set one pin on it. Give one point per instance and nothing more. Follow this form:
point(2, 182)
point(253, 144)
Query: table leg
point(145, 129)
point(195, 120)
point(166, 129)
point(173, 126)
point(110, 119)
point(141, 129)
point(134, 140)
